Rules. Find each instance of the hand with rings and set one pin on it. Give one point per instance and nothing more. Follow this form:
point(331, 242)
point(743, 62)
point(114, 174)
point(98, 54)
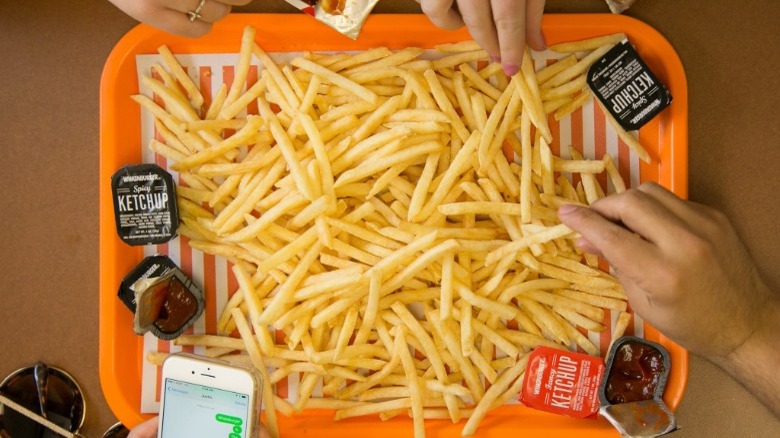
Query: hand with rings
point(190, 18)
point(501, 27)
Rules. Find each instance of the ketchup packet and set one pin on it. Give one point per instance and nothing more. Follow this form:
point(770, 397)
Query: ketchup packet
point(165, 301)
point(627, 391)
point(562, 382)
point(629, 90)
point(346, 16)
point(145, 208)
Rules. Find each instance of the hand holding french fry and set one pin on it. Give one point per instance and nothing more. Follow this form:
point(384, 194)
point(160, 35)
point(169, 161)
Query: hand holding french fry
point(190, 18)
point(687, 273)
point(501, 27)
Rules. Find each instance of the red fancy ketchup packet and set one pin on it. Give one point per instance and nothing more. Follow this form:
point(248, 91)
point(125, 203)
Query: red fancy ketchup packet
point(562, 382)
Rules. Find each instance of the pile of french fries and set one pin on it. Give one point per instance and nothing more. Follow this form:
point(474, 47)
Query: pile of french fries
point(372, 217)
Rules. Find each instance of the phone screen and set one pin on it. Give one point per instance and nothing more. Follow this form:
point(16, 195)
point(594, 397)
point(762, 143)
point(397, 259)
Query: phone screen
point(193, 411)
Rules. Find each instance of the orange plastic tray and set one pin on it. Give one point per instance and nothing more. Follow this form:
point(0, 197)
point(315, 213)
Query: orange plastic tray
point(121, 351)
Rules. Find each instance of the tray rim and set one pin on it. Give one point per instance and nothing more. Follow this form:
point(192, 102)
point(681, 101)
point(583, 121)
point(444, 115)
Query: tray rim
point(656, 50)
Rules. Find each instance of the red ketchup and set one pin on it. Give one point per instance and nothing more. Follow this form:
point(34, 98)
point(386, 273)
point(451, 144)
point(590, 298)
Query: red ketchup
point(635, 373)
point(180, 306)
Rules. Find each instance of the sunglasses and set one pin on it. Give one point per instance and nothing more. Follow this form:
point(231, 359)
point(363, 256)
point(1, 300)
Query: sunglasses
point(41, 402)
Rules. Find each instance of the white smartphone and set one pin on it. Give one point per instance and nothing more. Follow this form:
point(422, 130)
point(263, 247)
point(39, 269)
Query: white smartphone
point(203, 397)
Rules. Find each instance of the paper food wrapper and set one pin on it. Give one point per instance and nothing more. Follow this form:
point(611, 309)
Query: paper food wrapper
point(618, 6)
point(346, 16)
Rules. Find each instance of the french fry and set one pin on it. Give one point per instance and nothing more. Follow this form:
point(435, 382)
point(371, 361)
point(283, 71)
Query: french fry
point(579, 68)
point(551, 70)
point(193, 92)
point(620, 328)
point(589, 44)
point(507, 378)
point(571, 105)
point(414, 384)
point(337, 79)
point(257, 360)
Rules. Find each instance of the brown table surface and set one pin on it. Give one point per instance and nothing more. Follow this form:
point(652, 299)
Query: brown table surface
point(52, 55)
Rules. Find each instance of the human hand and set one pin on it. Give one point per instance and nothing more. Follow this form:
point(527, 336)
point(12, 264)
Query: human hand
point(684, 268)
point(148, 429)
point(171, 15)
point(501, 27)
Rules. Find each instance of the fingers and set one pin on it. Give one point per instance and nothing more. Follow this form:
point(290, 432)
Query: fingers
point(178, 23)
point(689, 212)
point(509, 19)
point(501, 27)
point(262, 431)
point(159, 14)
point(441, 13)
point(478, 17)
point(533, 24)
point(147, 429)
point(641, 212)
point(211, 12)
point(624, 250)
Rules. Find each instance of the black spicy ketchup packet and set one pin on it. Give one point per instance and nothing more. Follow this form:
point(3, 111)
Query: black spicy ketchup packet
point(562, 382)
point(145, 208)
point(164, 300)
point(627, 87)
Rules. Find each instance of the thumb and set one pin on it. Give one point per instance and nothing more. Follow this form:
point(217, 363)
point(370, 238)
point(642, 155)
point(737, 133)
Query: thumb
point(147, 429)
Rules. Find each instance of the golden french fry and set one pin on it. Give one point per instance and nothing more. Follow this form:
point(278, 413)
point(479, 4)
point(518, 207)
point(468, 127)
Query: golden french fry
point(570, 105)
point(507, 378)
point(589, 44)
point(580, 67)
point(458, 59)
point(335, 78)
point(242, 69)
point(193, 92)
point(257, 360)
point(551, 70)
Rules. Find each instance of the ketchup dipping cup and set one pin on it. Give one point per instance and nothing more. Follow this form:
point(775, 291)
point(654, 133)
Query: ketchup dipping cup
point(632, 388)
point(636, 370)
point(165, 301)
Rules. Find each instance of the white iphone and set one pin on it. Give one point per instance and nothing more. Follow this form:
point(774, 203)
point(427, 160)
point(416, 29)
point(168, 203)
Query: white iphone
point(203, 397)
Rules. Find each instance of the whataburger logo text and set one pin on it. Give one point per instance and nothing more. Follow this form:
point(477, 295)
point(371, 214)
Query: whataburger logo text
point(139, 178)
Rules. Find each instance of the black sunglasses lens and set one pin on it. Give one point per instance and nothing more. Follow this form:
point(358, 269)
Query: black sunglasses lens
point(64, 404)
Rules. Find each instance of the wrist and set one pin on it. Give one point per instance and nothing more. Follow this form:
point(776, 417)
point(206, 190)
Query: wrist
point(764, 335)
point(754, 362)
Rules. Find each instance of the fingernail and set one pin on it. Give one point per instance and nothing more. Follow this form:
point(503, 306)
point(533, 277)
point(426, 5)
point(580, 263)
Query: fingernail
point(511, 69)
point(544, 43)
point(495, 58)
point(566, 209)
